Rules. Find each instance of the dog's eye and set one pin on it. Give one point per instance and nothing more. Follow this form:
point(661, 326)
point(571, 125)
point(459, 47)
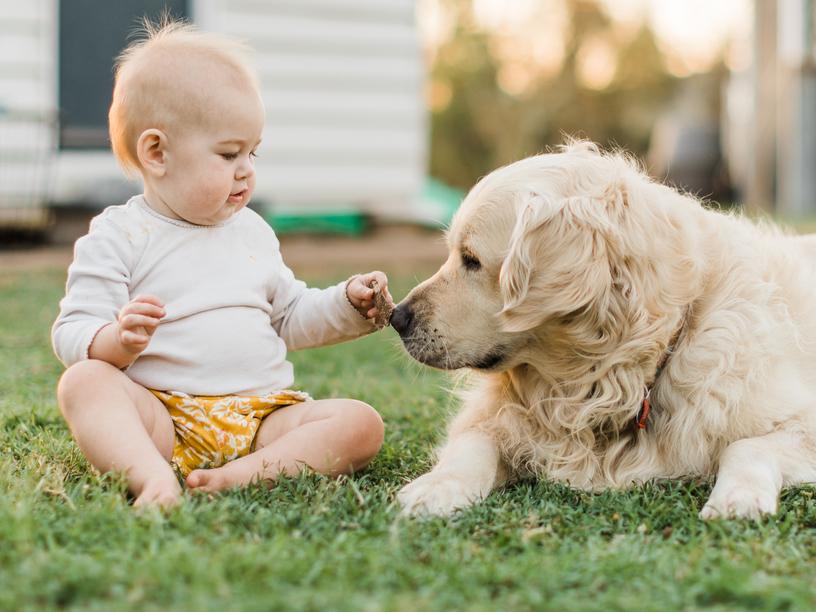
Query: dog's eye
point(470, 262)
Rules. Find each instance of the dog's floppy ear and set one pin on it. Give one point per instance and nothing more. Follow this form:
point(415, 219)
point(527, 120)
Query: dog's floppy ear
point(519, 263)
point(559, 258)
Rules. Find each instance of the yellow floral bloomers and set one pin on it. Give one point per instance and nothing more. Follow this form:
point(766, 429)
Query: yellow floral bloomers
point(212, 430)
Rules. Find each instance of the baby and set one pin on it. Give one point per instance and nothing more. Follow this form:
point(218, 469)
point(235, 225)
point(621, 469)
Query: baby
point(179, 309)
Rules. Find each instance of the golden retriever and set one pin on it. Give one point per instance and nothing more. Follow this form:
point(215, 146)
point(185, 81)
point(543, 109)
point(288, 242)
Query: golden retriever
point(617, 332)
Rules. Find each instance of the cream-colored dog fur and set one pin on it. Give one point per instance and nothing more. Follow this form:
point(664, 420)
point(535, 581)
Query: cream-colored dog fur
point(569, 277)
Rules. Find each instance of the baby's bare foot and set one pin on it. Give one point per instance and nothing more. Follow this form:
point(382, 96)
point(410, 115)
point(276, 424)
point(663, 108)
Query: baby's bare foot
point(228, 476)
point(164, 494)
point(209, 481)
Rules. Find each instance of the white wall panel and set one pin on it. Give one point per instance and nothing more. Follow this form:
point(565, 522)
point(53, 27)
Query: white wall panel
point(342, 84)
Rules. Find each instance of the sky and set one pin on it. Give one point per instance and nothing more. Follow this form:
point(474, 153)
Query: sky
point(691, 33)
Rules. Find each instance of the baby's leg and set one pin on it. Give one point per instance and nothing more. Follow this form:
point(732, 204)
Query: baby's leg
point(120, 425)
point(333, 437)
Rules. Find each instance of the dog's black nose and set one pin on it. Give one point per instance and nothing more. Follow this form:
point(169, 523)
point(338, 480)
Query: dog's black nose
point(403, 319)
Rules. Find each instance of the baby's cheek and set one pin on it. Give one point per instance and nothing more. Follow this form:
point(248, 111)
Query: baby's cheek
point(199, 196)
point(251, 184)
point(213, 185)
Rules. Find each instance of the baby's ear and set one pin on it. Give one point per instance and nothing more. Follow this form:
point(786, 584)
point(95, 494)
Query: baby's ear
point(151, 150)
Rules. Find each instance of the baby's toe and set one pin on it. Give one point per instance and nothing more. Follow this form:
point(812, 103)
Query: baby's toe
point(196, 479)
point(208, 481)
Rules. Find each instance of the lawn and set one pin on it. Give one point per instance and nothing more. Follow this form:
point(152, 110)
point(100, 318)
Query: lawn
point(68, 538)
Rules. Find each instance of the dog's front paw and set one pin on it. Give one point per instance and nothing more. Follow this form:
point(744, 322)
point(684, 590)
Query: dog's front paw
point(739, 501)
point(437, 494)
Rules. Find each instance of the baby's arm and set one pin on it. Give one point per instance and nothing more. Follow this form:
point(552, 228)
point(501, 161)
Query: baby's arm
point(97, 315)
point(306, 317)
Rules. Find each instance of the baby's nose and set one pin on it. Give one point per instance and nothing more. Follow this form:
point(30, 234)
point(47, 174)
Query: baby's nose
point(244, 170)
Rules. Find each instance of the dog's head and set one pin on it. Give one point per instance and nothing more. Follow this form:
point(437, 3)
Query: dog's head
point(567, 247)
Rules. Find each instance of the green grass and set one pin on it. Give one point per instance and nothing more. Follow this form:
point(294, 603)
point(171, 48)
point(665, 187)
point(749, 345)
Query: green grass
point(69, 539)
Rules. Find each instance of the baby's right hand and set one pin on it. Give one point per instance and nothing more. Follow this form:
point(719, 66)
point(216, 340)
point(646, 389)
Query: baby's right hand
point(137, 321)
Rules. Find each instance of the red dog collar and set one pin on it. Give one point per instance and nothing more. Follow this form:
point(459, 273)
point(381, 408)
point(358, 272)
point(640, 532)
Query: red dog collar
point(643, 413)
point(646, 406)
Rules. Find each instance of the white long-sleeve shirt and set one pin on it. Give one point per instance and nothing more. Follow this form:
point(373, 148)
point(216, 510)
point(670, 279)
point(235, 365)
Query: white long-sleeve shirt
point(232, 306)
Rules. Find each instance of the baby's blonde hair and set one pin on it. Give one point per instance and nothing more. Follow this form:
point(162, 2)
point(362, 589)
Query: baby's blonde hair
point(154, 82)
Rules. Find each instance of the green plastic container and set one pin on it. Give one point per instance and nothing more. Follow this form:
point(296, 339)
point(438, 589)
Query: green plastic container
point(444, 199)
point(341, 221)
point(437, 201)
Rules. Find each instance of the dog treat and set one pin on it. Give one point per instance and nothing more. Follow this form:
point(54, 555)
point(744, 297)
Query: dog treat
point(384, 309)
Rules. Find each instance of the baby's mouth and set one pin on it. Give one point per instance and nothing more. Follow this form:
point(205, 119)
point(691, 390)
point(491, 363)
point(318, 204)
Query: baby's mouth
point(236, 197)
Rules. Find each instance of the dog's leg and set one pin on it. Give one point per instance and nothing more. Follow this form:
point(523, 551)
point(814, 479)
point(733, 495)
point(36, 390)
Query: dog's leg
point(753, 471)
point(469, 467)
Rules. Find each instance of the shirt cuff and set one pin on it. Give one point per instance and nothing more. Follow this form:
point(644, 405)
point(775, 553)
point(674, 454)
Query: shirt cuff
point(87, 353)
point(357, 321)
point(72, 341)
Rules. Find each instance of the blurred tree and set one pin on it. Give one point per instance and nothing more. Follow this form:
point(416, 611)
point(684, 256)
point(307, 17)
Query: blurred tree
point(610, 88)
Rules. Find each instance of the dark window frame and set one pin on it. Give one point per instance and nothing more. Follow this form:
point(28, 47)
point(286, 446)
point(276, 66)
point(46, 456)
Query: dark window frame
point(91, 34)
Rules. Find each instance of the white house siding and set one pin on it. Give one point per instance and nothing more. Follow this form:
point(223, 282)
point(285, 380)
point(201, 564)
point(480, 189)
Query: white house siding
point(796, 141)
point(27, 108)
point(770, 118)
point(342, 83)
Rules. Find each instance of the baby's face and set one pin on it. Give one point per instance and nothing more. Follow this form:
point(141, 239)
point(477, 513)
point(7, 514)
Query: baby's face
point(211, 167)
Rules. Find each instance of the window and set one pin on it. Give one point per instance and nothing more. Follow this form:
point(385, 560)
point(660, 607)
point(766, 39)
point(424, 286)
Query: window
point(91, 35)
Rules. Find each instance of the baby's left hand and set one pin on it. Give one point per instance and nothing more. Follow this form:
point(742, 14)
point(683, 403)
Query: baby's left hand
point(361, 295)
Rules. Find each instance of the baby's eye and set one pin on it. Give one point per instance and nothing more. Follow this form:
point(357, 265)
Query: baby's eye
point(229, 156)
point(253, 154)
